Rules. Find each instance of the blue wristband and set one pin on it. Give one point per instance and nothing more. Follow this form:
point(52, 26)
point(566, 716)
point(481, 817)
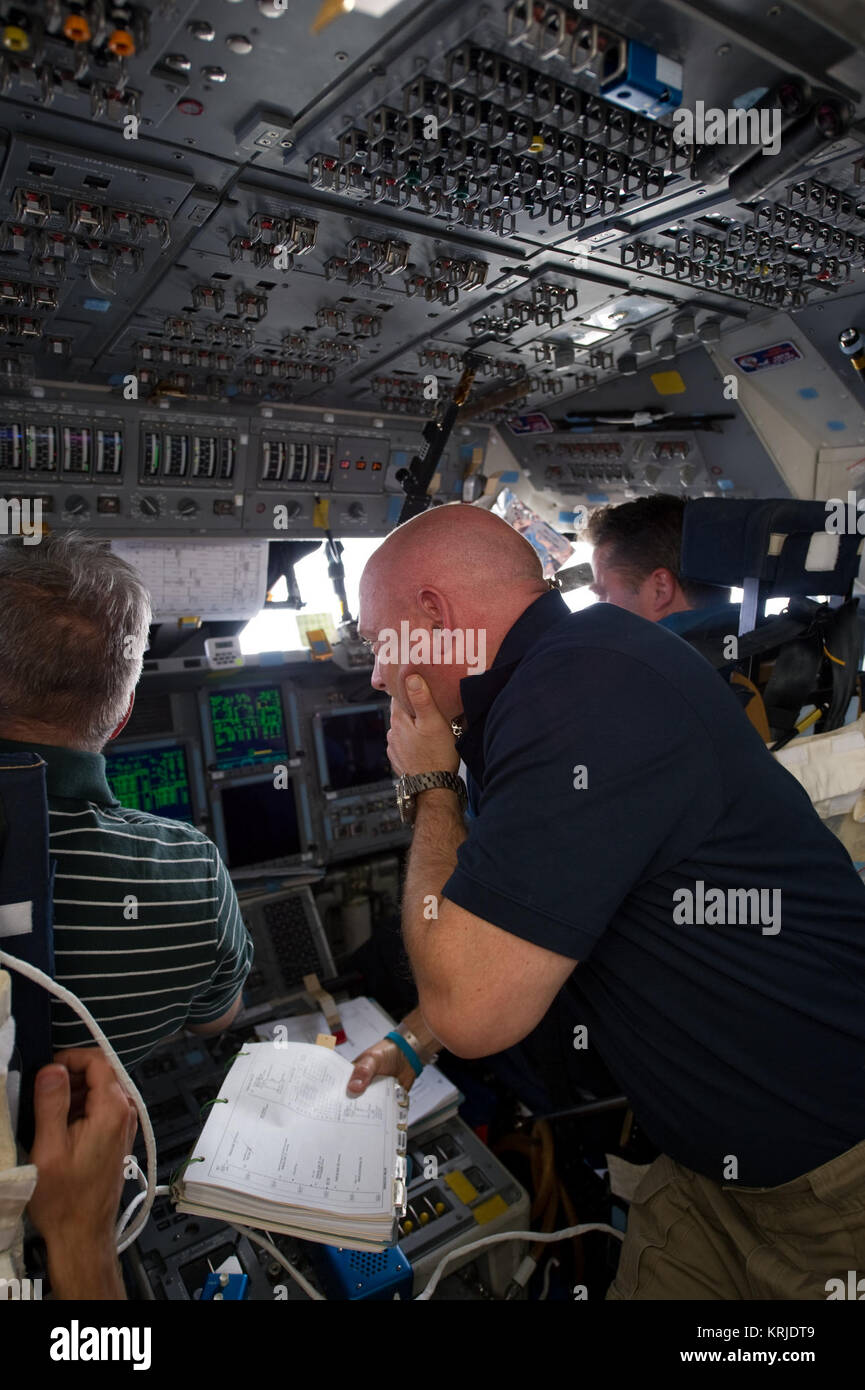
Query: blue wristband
point(407, 1051)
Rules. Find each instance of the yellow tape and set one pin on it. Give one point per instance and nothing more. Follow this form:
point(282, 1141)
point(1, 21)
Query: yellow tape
point(461, 1187)
point(668, 383)
point(489, 1210)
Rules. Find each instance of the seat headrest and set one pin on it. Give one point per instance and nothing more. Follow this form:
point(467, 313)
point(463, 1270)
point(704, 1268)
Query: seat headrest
point(784, 543)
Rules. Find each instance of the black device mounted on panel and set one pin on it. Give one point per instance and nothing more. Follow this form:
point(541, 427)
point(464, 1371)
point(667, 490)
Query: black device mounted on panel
point(417, 477)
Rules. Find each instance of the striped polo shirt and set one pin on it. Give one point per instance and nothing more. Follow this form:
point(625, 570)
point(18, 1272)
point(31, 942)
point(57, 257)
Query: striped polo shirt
point(147, 930)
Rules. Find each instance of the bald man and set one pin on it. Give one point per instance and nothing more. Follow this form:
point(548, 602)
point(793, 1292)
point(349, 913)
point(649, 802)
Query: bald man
point(636, 848)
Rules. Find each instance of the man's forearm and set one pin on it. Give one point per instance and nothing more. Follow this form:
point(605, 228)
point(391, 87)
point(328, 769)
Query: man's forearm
point(81, 1271)
point(438, 833)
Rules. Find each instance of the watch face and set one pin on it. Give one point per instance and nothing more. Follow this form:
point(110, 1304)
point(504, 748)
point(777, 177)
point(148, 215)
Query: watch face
point(404, 802)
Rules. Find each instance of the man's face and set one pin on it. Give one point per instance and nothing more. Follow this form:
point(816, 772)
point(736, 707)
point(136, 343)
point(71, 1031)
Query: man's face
point(380, 624)
point(616, 586)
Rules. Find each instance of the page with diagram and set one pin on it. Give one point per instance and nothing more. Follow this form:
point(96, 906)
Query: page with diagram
point(432, 1098)
point(283, 1132)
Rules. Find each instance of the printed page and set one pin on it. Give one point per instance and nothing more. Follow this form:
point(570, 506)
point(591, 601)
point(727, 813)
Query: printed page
point(285, 1131)
point(213, 580)
point(364, 1024)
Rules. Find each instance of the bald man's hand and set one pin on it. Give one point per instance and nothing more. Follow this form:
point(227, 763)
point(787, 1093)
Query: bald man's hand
point(424, 743)
point(382, 1059)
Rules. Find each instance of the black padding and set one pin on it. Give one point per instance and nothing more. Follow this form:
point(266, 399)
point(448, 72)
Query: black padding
point(727, 542)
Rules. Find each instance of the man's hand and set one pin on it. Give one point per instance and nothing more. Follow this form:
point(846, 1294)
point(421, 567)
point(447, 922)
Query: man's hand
point(424, 743)
point(382, 1059)
point(85, 1126)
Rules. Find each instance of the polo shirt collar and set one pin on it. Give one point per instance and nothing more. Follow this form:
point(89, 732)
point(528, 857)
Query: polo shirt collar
point(69, 774)
point(479, 692)
point(689, 620)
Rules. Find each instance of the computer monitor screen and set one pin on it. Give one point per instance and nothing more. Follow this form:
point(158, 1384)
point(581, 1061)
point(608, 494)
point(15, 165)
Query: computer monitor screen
point(248, 726)
point(355, 747)
point(261, 823)
point(152, 779)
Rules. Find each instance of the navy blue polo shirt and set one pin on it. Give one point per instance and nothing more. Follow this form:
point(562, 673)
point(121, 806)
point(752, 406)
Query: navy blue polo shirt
point(734, 1021)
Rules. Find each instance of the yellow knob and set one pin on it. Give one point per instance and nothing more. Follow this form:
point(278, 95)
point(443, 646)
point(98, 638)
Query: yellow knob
point(16, 39)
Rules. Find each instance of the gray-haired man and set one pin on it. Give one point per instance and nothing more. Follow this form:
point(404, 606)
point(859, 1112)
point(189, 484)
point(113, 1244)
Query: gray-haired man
point(74, 620)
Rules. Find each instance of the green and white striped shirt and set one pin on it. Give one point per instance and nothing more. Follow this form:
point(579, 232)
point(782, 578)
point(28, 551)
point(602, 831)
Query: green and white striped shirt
point(147, 929)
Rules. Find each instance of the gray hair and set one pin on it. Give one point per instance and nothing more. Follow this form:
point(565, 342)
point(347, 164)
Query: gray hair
point(74, 620)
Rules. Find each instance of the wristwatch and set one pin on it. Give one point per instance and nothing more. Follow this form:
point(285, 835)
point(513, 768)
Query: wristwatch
point(427, 1059)
point(409, 788)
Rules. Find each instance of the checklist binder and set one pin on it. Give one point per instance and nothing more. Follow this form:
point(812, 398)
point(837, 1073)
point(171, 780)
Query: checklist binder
point(285, 1148)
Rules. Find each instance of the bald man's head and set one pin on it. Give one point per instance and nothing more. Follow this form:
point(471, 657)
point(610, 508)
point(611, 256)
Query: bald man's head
point(455, 570)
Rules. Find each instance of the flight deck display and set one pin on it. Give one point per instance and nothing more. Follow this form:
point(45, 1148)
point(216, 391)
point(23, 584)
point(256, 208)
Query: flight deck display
point(152, 779)
point(354, 747)
point(248, 726)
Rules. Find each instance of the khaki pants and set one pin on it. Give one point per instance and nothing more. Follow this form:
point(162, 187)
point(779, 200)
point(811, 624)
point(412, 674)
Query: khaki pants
point(690, 1238)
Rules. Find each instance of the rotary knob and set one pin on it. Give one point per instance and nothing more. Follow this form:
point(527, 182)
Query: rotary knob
point(77, 506)
point(149, 506)
point(187, 506)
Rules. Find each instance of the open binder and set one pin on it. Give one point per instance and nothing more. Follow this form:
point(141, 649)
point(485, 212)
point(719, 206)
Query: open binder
point(285, 1148)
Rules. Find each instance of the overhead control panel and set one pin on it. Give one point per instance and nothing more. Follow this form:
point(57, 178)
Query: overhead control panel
point(132, 470)
point(210, 212)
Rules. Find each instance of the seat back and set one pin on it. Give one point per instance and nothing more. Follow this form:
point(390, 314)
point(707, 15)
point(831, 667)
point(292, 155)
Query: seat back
point(27, 914)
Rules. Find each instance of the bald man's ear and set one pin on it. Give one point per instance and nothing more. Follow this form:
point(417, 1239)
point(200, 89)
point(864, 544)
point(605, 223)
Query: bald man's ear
point(430, 603)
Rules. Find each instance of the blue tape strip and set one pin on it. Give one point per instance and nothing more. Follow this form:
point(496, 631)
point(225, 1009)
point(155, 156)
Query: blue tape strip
point(407, 1051)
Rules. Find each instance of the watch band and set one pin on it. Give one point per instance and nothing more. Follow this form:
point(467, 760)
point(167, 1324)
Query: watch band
point(407, 1051)
point(409, 786)
point(426, 1059)
point(429, 781)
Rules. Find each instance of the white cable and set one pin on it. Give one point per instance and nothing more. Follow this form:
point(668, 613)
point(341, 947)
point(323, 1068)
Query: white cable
point(135, 1204)
point(552, 1263)
point(60, 992)
point(277, 1254)
point(533, 1236)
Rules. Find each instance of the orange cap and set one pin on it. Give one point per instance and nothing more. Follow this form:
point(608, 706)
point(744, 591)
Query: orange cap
point(121, 43)
point(76, 28)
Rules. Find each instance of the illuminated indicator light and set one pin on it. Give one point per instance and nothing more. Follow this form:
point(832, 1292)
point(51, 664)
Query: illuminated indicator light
point(345, 463)
point(190, 107)
point(121, 43)
point(15, 38)
point(76, 28)
point(361, 463)
point(376, 467)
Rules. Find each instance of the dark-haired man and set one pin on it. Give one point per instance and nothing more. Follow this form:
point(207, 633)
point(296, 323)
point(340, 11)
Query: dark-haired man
point(637, 566)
